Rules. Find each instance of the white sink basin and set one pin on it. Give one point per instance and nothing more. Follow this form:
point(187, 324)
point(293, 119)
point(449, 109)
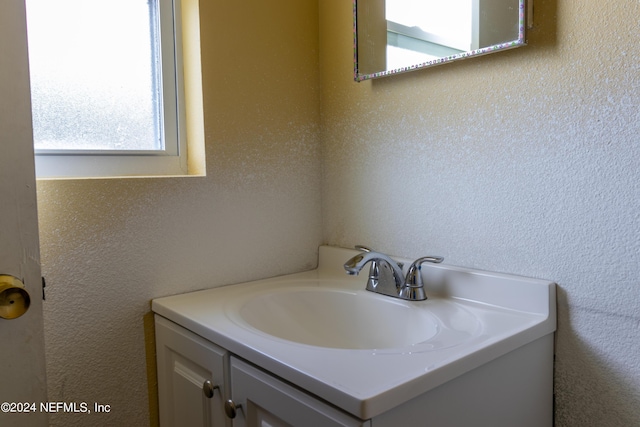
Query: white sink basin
point(336, 318)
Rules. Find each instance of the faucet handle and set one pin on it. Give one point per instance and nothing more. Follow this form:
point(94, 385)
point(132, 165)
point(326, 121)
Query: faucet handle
point(414, 278)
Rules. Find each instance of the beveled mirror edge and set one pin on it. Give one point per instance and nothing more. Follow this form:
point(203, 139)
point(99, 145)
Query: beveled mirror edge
point(525, 21)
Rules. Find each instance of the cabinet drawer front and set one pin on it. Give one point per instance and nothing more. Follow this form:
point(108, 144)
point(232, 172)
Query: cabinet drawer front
point(268, 401)
point(189, 369)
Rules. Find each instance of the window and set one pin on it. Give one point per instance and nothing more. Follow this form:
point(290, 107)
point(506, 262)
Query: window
point(107, 89)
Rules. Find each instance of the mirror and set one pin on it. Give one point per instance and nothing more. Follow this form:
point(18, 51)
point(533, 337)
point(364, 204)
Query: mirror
point(396, 36)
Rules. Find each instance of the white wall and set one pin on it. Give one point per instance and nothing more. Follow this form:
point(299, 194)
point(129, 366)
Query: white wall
point(526, 161)
point(110, 246)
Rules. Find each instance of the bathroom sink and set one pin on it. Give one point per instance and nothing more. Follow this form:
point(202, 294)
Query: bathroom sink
point(337, 318)
point(365, 352)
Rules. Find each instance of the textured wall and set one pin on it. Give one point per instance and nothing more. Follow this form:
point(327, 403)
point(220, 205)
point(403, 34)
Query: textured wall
point(110, 246)
point(525, 162)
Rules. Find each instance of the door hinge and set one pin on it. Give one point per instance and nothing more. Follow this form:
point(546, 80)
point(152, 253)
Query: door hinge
point(44, 284)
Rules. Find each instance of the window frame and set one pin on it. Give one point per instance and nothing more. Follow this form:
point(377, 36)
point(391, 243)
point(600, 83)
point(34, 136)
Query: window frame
point(170, 161)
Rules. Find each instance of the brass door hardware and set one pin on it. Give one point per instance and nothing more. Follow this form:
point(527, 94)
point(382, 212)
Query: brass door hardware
point(14, 298)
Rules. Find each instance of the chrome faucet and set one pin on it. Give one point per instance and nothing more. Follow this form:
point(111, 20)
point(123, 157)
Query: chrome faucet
point(386, 276)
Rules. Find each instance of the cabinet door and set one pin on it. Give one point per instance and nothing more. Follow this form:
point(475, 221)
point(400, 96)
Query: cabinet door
point(189, 367)
point(266, 401)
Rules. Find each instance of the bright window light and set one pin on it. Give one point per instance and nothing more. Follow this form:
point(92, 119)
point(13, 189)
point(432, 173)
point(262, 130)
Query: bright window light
point(105, 83)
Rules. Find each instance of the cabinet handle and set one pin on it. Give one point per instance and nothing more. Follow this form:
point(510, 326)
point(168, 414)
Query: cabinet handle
point(208, 388)
point(230, 408)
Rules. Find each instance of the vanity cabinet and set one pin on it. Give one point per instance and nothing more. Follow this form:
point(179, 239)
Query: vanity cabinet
point(486, 359)
point(189, 367)
point(512, 390)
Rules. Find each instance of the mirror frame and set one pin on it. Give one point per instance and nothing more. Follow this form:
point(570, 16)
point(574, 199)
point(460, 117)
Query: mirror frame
point(525, 21)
